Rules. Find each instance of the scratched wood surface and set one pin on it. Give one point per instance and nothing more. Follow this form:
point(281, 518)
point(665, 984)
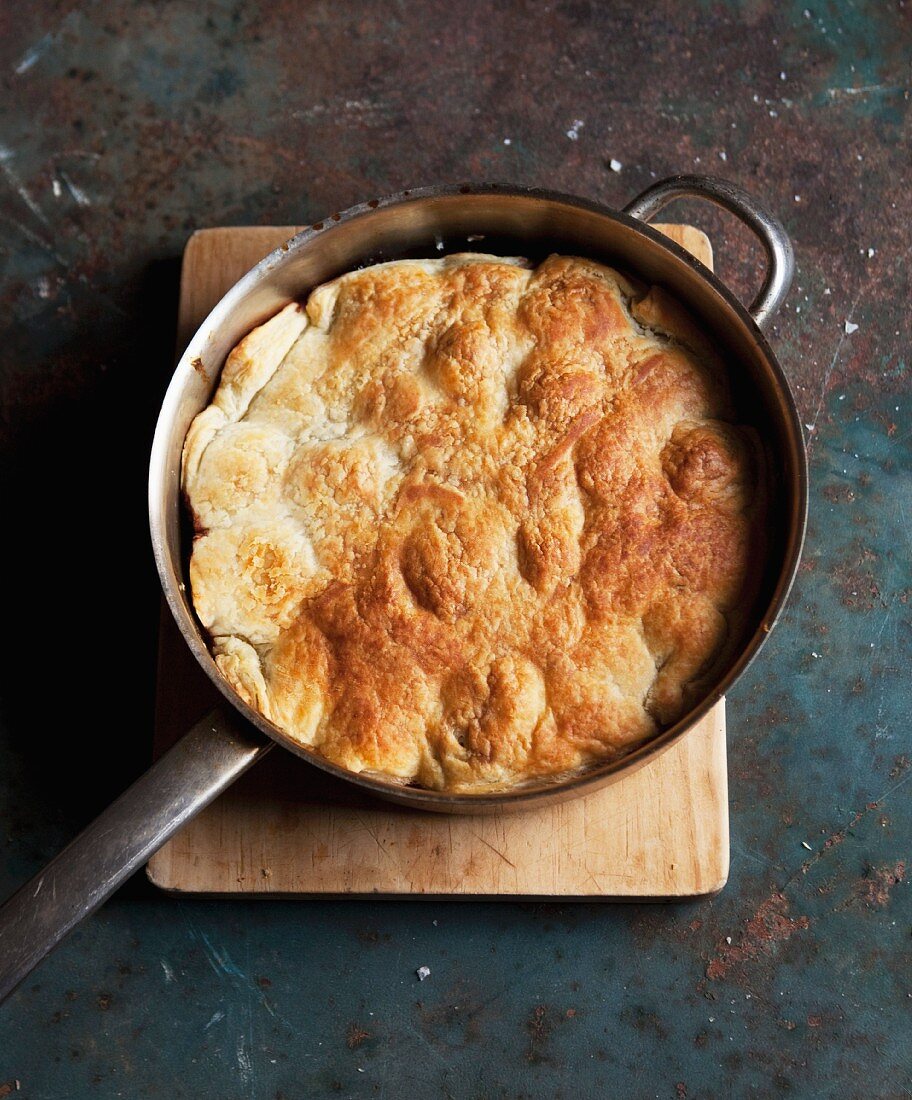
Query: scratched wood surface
point(286, 829)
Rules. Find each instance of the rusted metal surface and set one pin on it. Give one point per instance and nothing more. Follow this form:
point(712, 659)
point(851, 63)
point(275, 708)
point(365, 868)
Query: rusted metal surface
point(123, 128)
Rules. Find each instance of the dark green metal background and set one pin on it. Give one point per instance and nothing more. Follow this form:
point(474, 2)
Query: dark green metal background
point(124, 127)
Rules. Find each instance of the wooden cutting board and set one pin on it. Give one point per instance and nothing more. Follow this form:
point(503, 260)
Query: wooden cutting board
point(285, 829)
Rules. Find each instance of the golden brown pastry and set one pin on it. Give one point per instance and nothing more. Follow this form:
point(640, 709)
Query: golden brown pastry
point(467, 523)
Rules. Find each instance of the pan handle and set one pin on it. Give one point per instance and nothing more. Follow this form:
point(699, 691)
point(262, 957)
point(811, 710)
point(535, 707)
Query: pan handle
point(188, 777)
point(766, 226)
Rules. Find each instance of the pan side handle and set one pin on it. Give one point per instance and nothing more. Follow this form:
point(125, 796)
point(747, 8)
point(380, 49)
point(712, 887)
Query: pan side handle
point(188, 777)
point(765, 225)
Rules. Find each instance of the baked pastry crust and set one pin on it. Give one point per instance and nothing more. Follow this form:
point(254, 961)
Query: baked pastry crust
point(466, 523)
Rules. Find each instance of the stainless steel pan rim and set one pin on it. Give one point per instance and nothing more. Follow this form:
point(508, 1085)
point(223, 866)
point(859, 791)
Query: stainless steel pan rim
point(537, 793)
point(229, 740)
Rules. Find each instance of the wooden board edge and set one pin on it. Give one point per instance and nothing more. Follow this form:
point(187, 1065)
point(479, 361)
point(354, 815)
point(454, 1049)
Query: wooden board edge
point(427, 896)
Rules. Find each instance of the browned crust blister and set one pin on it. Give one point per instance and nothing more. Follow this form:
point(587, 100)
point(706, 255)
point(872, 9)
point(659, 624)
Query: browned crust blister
point(466, 523)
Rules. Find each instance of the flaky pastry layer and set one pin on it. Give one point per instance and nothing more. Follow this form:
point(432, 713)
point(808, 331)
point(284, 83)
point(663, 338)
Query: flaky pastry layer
point(467, 523)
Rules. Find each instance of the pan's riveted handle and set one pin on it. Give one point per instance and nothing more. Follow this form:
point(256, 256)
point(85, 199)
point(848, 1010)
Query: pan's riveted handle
point(187, 778)
point(745, 207)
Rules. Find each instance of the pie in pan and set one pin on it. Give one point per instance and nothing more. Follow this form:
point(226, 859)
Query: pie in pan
point(468, 523)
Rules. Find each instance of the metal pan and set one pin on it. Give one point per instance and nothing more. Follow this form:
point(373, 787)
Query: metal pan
point(418, 223)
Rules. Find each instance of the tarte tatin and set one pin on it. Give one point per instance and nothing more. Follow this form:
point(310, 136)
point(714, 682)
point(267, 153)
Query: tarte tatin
point(468, 523)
